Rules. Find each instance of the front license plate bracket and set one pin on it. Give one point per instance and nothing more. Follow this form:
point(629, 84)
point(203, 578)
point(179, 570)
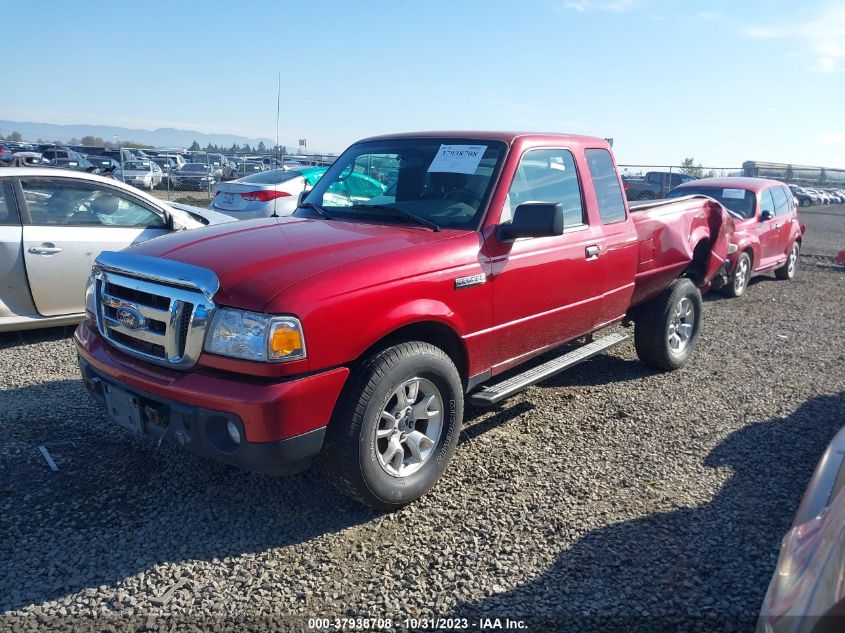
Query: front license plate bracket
point(124, 408)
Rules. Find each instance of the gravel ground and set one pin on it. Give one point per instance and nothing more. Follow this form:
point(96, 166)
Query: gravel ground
point(608, 491)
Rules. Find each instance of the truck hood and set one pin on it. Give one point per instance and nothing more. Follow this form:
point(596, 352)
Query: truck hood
point(255, 260)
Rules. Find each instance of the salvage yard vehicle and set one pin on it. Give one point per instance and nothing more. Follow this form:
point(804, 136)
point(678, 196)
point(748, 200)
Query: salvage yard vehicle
point(806, 594)
point(653, 185)
point(803, 197)
point(141, 173)
point(54, 222)
point(355, 329)
point(265, 193)
point(767, 234)
point(193, 177)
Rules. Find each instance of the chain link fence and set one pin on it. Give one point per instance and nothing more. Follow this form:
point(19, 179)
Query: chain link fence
point(172, 174)
point(653, 182)
point(192, 177)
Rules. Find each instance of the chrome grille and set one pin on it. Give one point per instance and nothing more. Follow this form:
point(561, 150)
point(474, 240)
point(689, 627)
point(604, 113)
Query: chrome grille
point(155, 320)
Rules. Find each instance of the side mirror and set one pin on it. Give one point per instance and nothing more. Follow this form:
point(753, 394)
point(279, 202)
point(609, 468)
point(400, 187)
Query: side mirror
point(766, 215)
point(533, 219)
point(302, 196)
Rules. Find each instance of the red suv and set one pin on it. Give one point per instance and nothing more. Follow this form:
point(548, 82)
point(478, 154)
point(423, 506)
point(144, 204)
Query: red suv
point(767, 233)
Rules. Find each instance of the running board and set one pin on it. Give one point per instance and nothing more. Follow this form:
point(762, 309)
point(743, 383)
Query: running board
point(494, 394)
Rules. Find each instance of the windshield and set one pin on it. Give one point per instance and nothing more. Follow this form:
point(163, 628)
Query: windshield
point(740, 201)
point(445, 181)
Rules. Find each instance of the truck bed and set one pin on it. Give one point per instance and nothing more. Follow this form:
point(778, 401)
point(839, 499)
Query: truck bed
point(689, 234)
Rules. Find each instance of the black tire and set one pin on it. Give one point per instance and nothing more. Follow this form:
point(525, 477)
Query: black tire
point(653, 323)
point(788, 270)
point(739, 279)
point(351, 454)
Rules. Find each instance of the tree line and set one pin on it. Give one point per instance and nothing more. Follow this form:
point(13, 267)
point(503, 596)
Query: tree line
point(96, 141)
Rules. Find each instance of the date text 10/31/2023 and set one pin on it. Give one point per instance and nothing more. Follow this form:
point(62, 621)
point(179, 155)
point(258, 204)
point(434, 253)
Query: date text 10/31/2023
point(415, 624)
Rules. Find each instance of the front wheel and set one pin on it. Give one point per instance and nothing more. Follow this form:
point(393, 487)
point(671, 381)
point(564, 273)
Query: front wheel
point(787, 271)
point(668, 327)
point(395, 426)
point(739, 280)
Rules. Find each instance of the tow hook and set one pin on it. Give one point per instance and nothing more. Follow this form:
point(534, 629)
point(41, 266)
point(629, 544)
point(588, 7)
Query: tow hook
point(91, 384)
point(154, 416)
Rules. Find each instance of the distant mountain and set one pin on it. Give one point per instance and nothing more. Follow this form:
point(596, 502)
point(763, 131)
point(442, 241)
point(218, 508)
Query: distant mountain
point(162, 137)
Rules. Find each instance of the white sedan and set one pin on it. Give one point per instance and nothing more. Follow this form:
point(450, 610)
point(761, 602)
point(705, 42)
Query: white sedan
point(141, 173)
point(54, 222)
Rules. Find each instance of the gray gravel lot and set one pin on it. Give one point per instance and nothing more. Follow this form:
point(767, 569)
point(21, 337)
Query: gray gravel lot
point(610, 490)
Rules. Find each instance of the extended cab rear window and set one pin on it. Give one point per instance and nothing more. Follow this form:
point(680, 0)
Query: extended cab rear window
point(606, 184)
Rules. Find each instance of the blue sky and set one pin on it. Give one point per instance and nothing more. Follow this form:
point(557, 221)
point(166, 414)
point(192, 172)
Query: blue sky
point(720, 81)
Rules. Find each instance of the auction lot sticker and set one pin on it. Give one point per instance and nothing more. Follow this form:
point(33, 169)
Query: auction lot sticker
point(457, 159)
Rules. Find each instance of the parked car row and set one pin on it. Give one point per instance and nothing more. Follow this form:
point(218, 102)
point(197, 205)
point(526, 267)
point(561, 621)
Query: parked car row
point(147, 169)
point(808, 196)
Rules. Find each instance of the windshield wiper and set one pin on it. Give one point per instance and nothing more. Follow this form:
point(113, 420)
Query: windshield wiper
point(316, 207)
point(402, 213)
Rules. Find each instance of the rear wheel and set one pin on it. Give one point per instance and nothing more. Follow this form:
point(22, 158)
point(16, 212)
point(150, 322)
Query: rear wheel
point(668, 327)
point(396, 425)
point(787, 271)
point(739, 280)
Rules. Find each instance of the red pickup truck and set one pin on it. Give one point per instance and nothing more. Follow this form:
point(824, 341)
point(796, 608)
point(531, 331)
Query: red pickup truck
point(357, 328)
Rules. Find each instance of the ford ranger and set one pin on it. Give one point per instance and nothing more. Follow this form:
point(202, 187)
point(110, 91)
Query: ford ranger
point(357, 328)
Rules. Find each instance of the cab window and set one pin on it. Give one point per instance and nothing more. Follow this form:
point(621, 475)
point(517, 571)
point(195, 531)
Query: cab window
point(606, 184)
point(547, 175)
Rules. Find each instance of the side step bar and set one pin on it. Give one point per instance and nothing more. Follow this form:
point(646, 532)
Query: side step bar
point(493, 394)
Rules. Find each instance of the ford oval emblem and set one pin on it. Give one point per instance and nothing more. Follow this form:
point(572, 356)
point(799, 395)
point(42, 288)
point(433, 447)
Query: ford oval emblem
point(130, 317)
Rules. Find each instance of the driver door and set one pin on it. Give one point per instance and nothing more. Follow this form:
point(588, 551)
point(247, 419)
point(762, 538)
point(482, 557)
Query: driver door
point(63, 233)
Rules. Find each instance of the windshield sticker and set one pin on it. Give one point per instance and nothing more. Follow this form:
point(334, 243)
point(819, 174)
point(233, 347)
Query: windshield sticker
point(457, 159)
point(733, 193)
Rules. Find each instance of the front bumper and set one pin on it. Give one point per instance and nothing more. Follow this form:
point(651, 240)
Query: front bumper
point(281, 423)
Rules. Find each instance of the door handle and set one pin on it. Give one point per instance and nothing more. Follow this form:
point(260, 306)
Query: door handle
point(44, 250)
point(592, 252)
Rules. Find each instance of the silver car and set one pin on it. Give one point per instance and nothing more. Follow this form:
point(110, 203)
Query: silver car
point(265, 193)
point(54, 222)
point(141, 173)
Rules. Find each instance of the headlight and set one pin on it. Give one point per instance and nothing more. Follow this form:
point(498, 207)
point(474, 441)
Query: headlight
point(732, 249)
point(90, 290)
point(255, 336)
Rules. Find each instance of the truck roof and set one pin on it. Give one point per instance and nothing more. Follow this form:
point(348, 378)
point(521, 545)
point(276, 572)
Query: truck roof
point(737, 182)
point(507, 137)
